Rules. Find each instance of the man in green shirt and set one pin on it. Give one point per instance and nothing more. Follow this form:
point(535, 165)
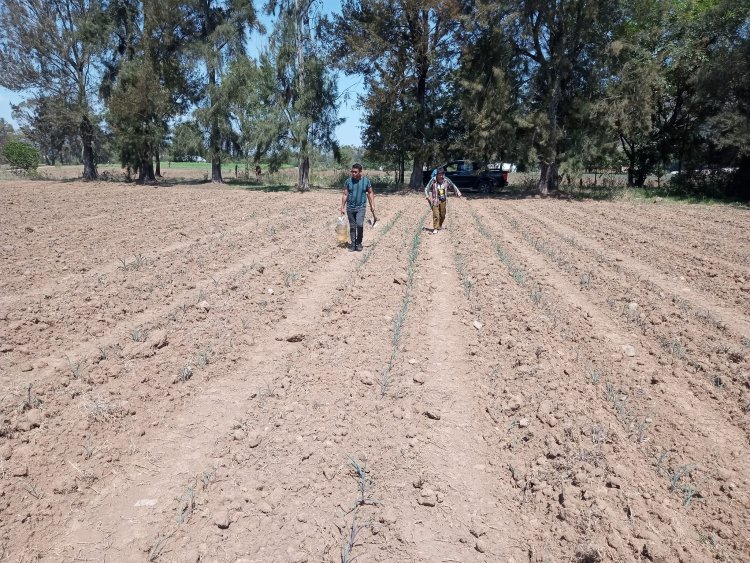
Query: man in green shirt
point(357, 191)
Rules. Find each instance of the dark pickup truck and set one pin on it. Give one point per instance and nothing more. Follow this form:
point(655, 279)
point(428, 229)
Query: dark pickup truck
point(470, 175)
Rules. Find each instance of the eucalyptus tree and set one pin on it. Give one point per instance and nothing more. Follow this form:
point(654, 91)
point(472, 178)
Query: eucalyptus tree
point(147, 82)
point(720, 38)
point(50, 49)
point(489, 86)
point(220, 30)
point(404, 50)
point(675, 68)
point(303, 90)
point(44, 122)
point(560, 46)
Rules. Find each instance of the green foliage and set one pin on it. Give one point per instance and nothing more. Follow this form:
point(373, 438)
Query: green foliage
point(292, 109)
point(713, 184)
point(187, 142)
point(149, 81)
point(218, 41)
point(21, 155)
point(50, 47)
point(406, 51)
point(6, 134)
point(46, 122)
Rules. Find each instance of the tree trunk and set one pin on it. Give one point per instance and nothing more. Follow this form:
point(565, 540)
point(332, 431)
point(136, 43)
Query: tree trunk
point(303, 184)
point(87, 154)
point(547, 178)
point(423, 67)
point(146, 172)
point(415, 182)
point(146, 166)
point(215, 138)
point(157, 157)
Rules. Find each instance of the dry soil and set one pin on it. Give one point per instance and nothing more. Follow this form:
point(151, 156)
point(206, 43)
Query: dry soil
point(193, 373)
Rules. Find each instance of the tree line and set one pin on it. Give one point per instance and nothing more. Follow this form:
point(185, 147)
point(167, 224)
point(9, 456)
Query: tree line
point(553, 85)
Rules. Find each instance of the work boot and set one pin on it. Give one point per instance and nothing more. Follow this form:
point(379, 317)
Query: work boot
point(359, 248)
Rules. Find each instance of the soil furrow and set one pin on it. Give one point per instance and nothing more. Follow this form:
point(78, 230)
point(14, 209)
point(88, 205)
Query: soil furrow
point(715, 277)
point(506, 389)
point(711, 352)
point(625, 395)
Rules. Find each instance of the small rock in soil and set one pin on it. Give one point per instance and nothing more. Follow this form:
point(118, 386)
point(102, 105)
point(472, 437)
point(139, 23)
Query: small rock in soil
point(34, 417)
point(253, 440)
point(478, 325)
point(481, 546)
point(204, 306)
point(628, 351)
point(508, 341)
point(477, 528)
point(221, 519)
point(265, 508)
point(419, 378)
point(432, 414)
point(239, 435)
point(523, 423)
point(20, 470)
point(6, 452)
point(158, 339)
point(427, 497)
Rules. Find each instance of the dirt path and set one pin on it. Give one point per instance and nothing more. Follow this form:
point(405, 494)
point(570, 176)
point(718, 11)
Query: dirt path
point(460, 513)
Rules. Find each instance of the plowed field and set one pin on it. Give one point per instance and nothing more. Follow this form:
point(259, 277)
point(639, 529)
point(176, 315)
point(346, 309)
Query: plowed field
point(193, 373)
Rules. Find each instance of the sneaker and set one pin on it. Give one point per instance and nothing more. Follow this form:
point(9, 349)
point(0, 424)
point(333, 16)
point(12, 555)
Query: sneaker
point(434, 231)
point(358, 248)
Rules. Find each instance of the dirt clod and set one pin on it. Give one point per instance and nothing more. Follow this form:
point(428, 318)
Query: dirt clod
point(221, 519)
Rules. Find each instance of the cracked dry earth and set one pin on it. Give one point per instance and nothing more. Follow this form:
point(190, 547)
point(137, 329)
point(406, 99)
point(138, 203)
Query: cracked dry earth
point(199, 374)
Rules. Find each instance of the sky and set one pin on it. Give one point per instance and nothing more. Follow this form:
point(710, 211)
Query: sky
point(348, 133)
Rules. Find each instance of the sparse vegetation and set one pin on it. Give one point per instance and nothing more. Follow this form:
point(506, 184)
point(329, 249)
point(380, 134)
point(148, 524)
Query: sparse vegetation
point(138, 334)
point(575, 384)
point(138, 262)
point(205, 356)
point(400, 317)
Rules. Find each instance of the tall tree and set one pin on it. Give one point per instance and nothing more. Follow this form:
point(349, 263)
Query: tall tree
point(720, 136)
point(489, 87)
point(404, 49)
point(50, 48)
point(44, 122)
point(304, 90)
point(6, 134)
point(221, 29)
point(560, 44)
point(147, 82)
point(187, 142)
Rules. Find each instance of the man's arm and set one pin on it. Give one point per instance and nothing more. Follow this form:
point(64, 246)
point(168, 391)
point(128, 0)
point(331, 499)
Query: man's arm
point(343, 200)
point(371, 196)
point(428, 190)
point(455, 188)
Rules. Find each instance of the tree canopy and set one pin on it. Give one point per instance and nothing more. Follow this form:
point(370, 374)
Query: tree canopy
point(551, 85)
